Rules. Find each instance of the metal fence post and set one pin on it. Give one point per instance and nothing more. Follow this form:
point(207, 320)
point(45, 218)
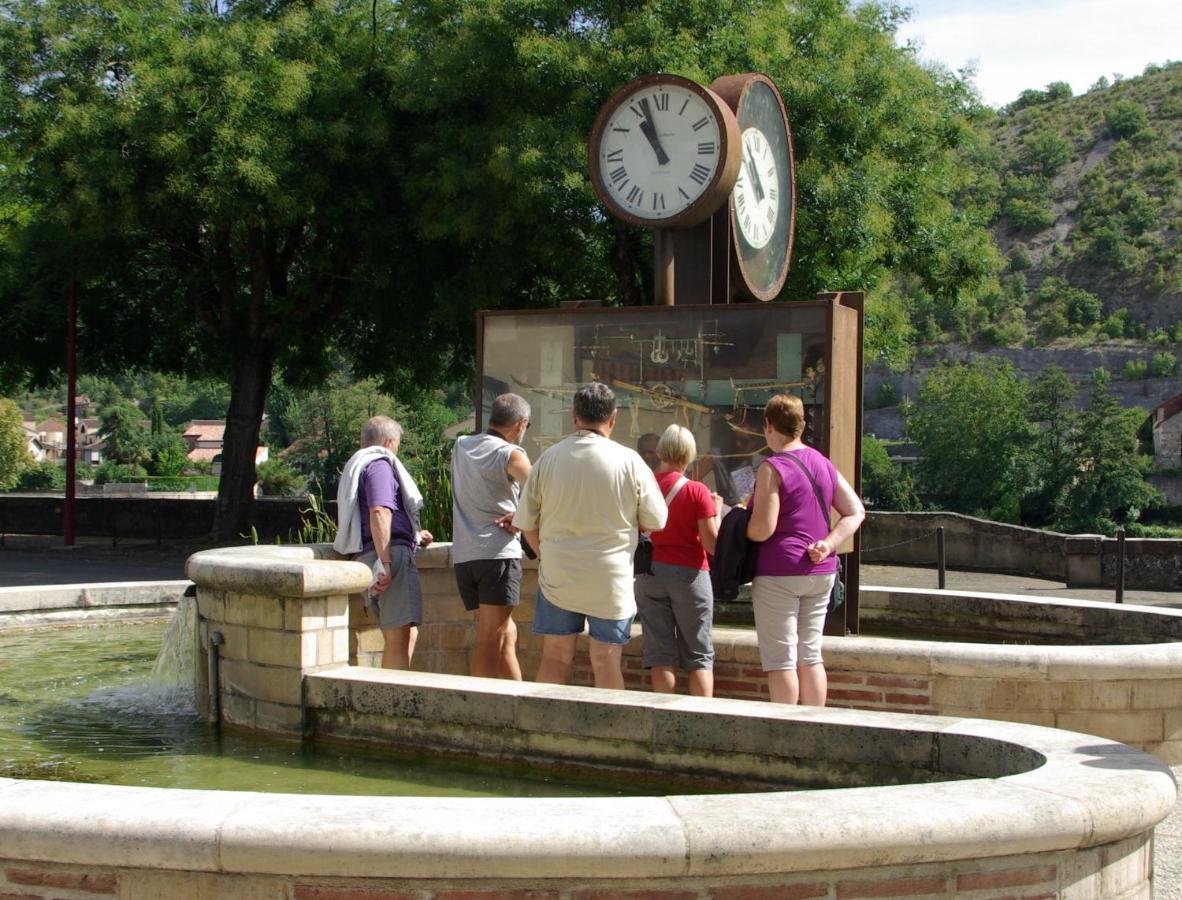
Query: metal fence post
point(940, 556)
point(1120, 565)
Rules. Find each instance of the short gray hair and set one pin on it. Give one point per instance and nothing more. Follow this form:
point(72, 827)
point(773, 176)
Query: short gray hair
point(508, 409)
point(380, 429)
point(594, 403)
point(677, 446)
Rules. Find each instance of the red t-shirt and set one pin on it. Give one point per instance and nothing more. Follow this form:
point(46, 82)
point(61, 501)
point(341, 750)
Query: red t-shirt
point(679, 543)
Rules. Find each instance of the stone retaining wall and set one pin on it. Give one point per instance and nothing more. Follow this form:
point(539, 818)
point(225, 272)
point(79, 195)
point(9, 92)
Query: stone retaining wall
point(1153, 564)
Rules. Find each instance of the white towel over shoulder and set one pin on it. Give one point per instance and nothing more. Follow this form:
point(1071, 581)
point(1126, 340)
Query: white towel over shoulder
point(348, 538)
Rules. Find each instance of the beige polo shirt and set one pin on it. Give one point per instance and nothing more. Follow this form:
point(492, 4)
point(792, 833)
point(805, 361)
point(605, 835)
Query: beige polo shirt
point(587, 495)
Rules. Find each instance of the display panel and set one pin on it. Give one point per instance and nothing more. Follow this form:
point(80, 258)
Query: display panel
point(709, 368)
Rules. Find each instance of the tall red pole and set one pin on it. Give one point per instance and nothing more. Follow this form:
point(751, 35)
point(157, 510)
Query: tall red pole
point(71, 410)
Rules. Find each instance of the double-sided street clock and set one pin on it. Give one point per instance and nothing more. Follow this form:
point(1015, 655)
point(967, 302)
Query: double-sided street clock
point(664, 152)
point(711, 171)
point(762, 205)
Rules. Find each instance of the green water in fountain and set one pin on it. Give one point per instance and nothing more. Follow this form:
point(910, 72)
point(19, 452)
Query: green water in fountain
point(81, 704)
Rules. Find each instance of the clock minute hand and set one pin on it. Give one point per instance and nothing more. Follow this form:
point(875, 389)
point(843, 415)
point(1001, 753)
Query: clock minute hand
point(753, 174)
point(649, 129)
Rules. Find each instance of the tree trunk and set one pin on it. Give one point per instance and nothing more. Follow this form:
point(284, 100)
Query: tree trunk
point(249, 382)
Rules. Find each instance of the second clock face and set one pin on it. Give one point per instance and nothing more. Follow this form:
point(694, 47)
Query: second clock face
point(658, 152)
point(757, 191)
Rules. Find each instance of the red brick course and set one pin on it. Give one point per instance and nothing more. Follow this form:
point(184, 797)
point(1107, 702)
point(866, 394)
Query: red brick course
point(975, 881)
point(893, 887)
point(95, 882)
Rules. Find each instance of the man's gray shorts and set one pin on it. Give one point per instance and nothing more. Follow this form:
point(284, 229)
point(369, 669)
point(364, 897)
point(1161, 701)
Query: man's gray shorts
point(401, 603)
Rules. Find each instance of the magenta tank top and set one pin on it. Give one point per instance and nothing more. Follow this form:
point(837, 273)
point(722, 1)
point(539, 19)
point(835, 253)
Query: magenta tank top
point(801, 520)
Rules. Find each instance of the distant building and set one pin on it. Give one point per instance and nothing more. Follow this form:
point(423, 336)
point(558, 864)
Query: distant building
point(204, 438)
point(1167, 434)
point(36, 448)
point(52, 435)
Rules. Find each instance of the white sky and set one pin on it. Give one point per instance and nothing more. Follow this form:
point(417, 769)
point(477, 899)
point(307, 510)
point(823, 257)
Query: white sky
point(1020, 44)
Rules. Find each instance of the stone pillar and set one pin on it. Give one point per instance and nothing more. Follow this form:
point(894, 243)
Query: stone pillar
point(1084, 556)
point(282, 611)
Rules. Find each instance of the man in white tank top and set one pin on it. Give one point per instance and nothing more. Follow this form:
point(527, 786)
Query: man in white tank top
point(487, 471)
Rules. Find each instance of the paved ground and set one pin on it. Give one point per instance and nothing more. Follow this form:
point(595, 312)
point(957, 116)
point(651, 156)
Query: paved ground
point(37, 560)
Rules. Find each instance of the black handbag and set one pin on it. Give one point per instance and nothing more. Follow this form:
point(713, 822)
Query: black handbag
point(837, 593)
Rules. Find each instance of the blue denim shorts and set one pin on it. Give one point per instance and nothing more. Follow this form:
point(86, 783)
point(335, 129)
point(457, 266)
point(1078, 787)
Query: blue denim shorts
point(552, 620)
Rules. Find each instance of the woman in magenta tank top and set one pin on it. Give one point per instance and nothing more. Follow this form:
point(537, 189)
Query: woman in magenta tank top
point(797, 562)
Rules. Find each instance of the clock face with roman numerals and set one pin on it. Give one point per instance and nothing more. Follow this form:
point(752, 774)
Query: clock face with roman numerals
point(660, 150)
point(757, 192)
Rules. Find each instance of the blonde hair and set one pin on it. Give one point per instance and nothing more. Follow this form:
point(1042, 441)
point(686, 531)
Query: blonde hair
point(785, 413)
point(677, 446)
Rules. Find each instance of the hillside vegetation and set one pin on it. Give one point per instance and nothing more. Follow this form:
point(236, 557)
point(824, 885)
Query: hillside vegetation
point(1083, 196)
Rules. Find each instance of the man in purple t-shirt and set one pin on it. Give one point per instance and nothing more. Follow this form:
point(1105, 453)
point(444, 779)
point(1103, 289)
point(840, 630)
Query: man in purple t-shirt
point(390, 533)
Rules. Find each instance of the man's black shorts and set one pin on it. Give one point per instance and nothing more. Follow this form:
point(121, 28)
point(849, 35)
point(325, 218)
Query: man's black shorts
point(489, 582)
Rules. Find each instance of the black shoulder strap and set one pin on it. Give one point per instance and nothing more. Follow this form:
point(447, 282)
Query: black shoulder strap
point(813, 482)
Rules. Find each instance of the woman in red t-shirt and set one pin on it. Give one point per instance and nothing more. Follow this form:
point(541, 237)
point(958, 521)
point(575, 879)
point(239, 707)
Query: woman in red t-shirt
point(676, 602)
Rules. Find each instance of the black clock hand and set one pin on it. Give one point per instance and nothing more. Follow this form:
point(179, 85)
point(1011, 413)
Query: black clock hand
point(649, 129)
point(753, 174)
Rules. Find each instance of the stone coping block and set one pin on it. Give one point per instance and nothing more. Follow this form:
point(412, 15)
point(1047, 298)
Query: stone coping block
point(1087, 792)
point(291, 570)
point(43, 605)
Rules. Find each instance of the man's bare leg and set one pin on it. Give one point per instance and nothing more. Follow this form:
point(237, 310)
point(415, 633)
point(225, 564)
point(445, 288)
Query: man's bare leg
point(399, 646)
point(495, 653)
point(558, 654)
point(663, 679)
point(606, 662)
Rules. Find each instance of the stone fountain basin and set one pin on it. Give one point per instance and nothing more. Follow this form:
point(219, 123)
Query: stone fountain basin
point(1021, 791)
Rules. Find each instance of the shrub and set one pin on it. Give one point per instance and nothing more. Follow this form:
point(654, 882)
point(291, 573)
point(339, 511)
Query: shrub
point(885, 396)
point(1163, 364)
point(1116, 324)
point(112, 472)
point(1020, 259)
point(278, 479)
point(43, 476)
point(1028, 215)
point(1134, 369)
point(1044, 153)
point(1125, 118)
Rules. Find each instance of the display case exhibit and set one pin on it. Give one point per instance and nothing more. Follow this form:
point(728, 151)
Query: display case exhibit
point(709, 368)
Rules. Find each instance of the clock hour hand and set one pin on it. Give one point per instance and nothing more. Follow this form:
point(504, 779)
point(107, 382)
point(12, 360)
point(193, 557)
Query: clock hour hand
point(753, 174)
point(649, 129)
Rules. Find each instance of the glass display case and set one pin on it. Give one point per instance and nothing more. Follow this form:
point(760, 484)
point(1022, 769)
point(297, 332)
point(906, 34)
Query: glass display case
point(709, 368)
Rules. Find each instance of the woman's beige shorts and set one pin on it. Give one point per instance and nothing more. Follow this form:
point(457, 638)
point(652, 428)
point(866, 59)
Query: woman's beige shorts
point(789, 618)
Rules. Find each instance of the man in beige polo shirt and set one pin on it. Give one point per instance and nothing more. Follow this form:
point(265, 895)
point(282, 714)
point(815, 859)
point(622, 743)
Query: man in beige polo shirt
point(580, 510)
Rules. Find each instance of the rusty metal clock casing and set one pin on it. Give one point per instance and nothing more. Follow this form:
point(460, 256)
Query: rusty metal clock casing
point(763, 203)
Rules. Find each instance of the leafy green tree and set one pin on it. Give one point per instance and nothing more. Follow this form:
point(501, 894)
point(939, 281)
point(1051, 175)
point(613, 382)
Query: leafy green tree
point(223, 178)
point(884, 485)
point(125, 433)
point(14, 444)
point(1052, 412)
point(1108, 486)
point(166, 453)
point(243, 187)
point(1044, 152)
point(970, 425)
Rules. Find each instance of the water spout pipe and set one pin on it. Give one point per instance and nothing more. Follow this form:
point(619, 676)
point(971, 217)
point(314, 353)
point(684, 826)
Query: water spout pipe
point(215, 707)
